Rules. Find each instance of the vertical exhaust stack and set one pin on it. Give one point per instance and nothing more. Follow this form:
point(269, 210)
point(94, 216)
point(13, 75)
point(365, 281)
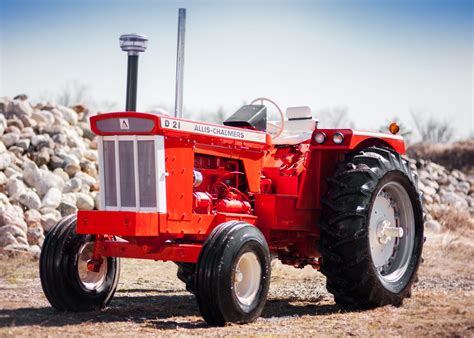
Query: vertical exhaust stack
point(178, 104)
point(133, 44)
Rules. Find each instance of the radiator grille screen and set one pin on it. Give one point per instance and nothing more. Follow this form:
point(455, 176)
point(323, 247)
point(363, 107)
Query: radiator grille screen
point(110, 183)
point(129, 177)
point(146, 173)
point(127, 174)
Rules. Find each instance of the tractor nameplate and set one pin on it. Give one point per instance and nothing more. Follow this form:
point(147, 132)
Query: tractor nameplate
point(213, 130)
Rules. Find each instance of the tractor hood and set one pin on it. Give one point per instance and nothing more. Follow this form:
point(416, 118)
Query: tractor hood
point(133, 123)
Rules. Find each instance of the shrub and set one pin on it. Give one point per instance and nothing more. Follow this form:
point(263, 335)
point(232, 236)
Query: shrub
point(458, 155)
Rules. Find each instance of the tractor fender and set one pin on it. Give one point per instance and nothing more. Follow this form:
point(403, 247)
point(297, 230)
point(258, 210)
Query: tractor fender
point(356, 140)
point(363, 139)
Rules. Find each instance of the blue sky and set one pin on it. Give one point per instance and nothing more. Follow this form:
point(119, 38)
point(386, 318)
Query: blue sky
point(378, 58)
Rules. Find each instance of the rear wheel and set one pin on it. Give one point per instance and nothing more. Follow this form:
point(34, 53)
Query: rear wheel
point(233, 274)
point(67, 282)
point(372, 230)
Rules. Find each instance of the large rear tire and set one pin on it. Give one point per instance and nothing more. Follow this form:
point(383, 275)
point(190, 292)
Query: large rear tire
point(372, 230)
point(233, 274)
point(66, 281)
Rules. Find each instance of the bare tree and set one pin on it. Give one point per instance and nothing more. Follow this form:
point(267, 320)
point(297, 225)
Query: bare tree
point(335, 117)
point(161, 108)
point(432, 130)
point(73, 93)
point(214, 117)
point(107, 106)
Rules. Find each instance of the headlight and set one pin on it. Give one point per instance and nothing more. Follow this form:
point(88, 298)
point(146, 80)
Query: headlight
point(320, 137)
point(338, 138)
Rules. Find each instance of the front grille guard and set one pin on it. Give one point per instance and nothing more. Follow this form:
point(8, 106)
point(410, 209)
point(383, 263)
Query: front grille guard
point(132, 173)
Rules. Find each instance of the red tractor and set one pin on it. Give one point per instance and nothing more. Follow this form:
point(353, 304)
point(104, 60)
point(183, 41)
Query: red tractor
point(222, 201)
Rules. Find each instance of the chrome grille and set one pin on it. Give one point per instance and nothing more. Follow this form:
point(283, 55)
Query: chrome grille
point(146, 173)
point(132, 173)
point(127, 174)
point(109, 184)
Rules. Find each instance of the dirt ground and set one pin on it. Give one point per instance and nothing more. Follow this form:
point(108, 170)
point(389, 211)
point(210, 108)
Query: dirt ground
point(150, 300)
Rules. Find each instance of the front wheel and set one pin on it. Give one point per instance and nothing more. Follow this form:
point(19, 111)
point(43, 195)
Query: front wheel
point(372, 230)
point(233, 274)
point(66, 280)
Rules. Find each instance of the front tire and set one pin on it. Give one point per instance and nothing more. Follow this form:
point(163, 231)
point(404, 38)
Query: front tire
point(187, 274)
point(372, 230)
point(233, 274)
point(66, 281)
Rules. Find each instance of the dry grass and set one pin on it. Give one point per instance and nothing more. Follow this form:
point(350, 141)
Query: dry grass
point(151, 301)
point(457, 155)
point(453, 219)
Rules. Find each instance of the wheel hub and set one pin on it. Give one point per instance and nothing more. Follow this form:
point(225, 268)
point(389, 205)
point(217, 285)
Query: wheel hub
point(91, 275)
point(247, 278)
point(391, 231)
point(385, 232)
point(238, 276)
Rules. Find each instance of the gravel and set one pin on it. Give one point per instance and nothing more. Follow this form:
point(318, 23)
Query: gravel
point(150, 300)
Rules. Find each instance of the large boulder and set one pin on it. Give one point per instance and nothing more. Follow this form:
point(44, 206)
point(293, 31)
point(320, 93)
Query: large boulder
point(52, 199)
point(84, 201)
point(5, 160)
point(15, 187)
point(12, 215)
point(47, 181)
point(30, 200)
point(31, 174)
point(10, 139)
point(68, 114)
point(20, 108)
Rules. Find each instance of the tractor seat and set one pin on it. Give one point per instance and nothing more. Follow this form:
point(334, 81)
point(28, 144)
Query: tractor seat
point(298, 127)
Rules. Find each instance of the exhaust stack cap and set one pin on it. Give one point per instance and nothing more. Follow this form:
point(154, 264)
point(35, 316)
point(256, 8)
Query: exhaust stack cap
point(133, 43)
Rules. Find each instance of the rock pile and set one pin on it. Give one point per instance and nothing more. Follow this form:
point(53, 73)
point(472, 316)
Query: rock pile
point(448, 196)
point(48, 169)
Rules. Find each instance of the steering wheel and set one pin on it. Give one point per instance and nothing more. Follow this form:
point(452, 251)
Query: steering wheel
point(282, 127)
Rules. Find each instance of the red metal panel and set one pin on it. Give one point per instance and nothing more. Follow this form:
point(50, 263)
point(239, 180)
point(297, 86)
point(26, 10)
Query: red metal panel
point(204, 224)
point(309, 188)
point(166, 252)
point(287, 185)
point(119, 223)
point(222, 217)
point(279, 212)
point(179, 162)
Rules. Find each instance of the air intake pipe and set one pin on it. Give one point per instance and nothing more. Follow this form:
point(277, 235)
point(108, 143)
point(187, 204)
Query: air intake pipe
point(133, 44)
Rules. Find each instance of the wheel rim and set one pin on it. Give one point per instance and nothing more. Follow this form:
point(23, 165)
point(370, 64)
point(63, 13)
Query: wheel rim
point(391, 233)
point(247, 277)
point(89, 279)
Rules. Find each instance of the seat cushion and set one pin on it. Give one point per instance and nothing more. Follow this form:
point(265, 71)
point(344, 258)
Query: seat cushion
point(298, 128)
point(298, 113)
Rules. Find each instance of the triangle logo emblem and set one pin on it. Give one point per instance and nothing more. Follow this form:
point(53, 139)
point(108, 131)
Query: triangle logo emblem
point(124, 124)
